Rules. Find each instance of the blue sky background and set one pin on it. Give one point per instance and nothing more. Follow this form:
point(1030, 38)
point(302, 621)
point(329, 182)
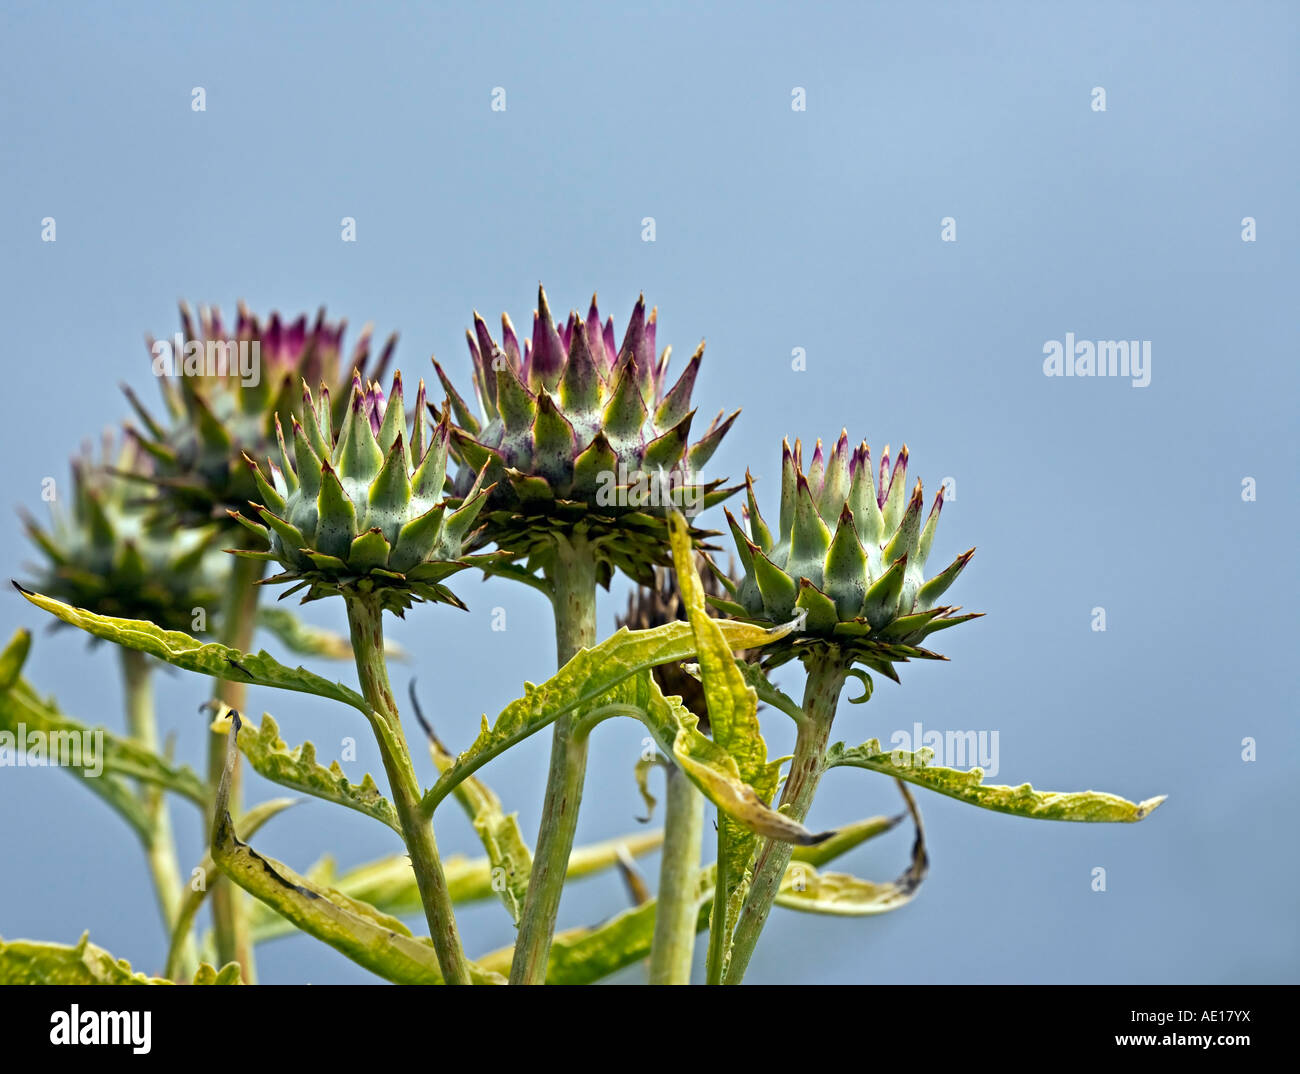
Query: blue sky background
point(775, 230)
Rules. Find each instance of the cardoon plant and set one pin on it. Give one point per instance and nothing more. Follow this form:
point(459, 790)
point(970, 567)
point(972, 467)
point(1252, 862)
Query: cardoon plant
point(577, 464)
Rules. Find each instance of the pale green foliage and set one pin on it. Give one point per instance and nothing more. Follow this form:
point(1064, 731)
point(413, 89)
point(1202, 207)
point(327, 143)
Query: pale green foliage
point(29, 962)
point(733, 717)
point(389, 883)
point(299, 770)
point(1021, 801)
point(211, 658)
point(612, 679)
point(249, 823)
point(845, 839)
point(378, 941)
point(582, 684)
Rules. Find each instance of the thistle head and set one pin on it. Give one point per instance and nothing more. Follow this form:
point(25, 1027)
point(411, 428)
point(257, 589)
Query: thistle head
point(848, 556)
point(103, 552)
point(582, 434)
point(224, 388)
point(360, 506)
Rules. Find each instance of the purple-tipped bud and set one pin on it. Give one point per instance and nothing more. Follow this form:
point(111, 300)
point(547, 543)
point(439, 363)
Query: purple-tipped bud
point(595, 340)
point(608, 340)
point(510, 343)
point(487, 346)
point(548, 347)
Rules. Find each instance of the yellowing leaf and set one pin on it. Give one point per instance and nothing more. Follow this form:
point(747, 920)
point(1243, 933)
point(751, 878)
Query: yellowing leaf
point(178, 648)
point(28, 962)
point(733, 720)
point(389, 885)
point(379, 942)
point(299, 770)
point(1021, 801)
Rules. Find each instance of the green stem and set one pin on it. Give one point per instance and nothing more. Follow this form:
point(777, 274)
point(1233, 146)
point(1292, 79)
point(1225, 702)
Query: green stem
point(365, 620)
point(672, 952)
point(160, 845)
point(573, 578)
point(826, 672)
point(229, 904)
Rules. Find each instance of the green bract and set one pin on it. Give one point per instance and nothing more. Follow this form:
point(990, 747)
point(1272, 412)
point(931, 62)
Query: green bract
point(849, 554)
point(582, 437)
point(104, 555)
point(224, 391)
point(362, 508)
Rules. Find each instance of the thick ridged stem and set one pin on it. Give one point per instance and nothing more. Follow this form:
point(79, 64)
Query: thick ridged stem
point(159, 844)
point(229, 903)
point(826, 672)
point(365, 620)
point(573, 578)
point(672, 951)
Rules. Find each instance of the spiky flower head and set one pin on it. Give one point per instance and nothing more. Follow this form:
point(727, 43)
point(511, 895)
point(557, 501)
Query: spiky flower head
point(360, 507)
point(224, 390)
point(103, 554)
point(582, 436)
point(848, 555)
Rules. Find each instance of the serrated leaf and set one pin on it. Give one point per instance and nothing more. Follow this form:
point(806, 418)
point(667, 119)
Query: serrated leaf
point(220, 661)
point(227, 975)
point(179, 649)
point(969, 786)
point(299, 770)
point(379, 942)
point(581, 684)
point(31, 962)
